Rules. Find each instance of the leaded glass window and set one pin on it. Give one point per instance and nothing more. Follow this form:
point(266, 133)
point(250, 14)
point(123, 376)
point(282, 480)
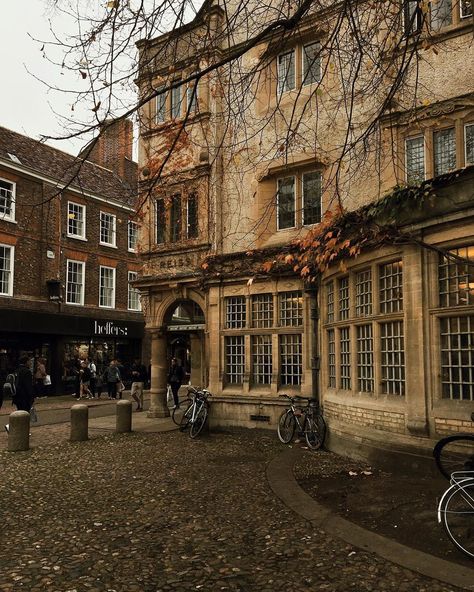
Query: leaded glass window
point(291, 359)
point(457, 357)
point(392, 358)
point(415, 160)
point(331, 358)
point(286, 72)
point(330, 301)
point(344, 298)
point(444, 148)
point(469, 143)
point(311, 198)
point(175, 219)
point(176, 97)
point(291, 309)
point(192, 224)
point(160, 221)
point(364, 293)
point(365, 359)
point(441, 13)
point(262, 310)
point(235, 312)
point(262, 359)
point(391, 288)
point(345, 357)
point(234, 359)
point(311, 63)
point(286, 207)
point(456, 279)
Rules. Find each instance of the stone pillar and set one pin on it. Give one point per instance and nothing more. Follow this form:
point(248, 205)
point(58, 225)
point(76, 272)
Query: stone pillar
point(19, 431)
point(124, 416)
point(159, 374)
point(197, 378)
point(79, 423)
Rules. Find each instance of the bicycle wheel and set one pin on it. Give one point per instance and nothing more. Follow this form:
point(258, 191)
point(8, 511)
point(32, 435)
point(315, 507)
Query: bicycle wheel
point(314, 429)
point(456, 513)
point(454, 453)
point(199, 421)
point(186, 418)
point(178, 412)
point(286, 426)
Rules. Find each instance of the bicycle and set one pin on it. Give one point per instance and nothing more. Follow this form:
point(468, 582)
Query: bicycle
point(195, 415)
point(309, 420)
point(454, 457)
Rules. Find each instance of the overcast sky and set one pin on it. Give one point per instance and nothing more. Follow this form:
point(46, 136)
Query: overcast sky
point(26, 106)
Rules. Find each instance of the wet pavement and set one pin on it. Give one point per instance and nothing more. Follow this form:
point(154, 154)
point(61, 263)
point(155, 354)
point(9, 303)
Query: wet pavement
point(156, 512)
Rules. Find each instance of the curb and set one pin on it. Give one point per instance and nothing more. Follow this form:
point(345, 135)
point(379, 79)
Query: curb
point(282, 481)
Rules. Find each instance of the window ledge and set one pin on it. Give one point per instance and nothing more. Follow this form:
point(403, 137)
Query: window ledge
point(108, 245)
point(75, 237)
point(10, 220)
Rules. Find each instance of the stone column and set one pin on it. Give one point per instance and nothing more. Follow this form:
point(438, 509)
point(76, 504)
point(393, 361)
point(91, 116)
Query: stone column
point(159, 374)
point(197, 378)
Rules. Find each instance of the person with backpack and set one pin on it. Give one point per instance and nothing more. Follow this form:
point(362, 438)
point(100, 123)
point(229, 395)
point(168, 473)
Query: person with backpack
point(85, 378)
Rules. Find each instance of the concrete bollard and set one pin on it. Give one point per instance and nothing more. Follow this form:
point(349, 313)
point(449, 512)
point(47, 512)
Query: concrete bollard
point(79, 423)
point(124, 417)
point(19, 431)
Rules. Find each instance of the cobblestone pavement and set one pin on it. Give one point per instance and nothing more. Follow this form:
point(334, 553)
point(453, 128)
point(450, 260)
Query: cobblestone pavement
point(160, 512)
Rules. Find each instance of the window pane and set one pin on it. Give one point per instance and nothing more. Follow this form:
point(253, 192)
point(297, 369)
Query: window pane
point(6, 199)
point(415, 160)
point(235, 316)
point(262, 310)
point(160, 220)
point(262, 359)
point(107, 287)
point(6, 262)
point(345, 357)
point(344, 302)
point(331, 358)
point(75, 222)
point(286, 72)
point(107, 228)
point(192, 97)
point(175, 219)
point(311, 198)
point(391, 287)
point(393, 358)
point(456, 279)
point(176, 99)
point(364, 293)
point(160, 106)
point(469, 139)
point(444, 151)
point(234, 359)
point(75, 282)
point(286, 203)
point(311, 63)
point(466, 8)
point(291, 309)
point(441, 13)
point(291, 367)
point(132, 235)
point(133, 293)
point(457, 357)
point(330, 301)
point(365, 359)
point(413, 17)
point(192, 213)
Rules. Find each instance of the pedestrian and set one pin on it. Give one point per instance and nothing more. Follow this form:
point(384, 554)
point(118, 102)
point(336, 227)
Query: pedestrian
point(24, 392)
point(85, 375)
point(139, 376)
point(112, 378)
point(76, 372)
point(40, 375)
point(175, 379)
point(93, 381)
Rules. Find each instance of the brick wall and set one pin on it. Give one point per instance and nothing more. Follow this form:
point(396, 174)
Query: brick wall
point(388, 421)
point(445, 427)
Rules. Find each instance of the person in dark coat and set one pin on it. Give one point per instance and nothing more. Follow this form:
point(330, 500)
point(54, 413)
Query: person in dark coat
point(175, 379)
point(24, 395)
point(139, 376)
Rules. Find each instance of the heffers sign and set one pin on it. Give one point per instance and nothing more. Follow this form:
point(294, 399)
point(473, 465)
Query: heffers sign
point(110, 329)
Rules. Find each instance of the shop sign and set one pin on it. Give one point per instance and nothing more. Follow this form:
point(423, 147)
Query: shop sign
point(109, 328)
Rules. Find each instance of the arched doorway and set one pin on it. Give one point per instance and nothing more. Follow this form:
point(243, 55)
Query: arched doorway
point(185, 323)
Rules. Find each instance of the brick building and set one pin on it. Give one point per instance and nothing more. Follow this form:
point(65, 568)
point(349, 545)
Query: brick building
point(396, 325)
point(68, 254)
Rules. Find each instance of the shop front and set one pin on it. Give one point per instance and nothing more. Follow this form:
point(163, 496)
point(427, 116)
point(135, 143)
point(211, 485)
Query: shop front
point(63, 340)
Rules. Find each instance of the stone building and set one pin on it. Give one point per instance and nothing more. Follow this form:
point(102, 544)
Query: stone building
point(396, 327)
point(67, 256)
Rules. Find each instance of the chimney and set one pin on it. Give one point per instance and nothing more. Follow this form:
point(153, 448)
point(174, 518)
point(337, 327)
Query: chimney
point(113, 149)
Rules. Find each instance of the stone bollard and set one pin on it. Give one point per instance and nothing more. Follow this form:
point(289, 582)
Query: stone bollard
point(19, 431)
point(124, 417)
point(79, 423)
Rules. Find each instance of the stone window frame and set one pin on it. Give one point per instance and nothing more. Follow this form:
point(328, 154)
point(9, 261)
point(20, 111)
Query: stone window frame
point(166, 203)
point(299, 206)
point(82, 266)
point(455, 13)
point(71, 205)
point(459, 121)
point(350, 370)
point(298, 66)
point(10, 271)
point(274, 331)
point(163, 106)
point(8, 197)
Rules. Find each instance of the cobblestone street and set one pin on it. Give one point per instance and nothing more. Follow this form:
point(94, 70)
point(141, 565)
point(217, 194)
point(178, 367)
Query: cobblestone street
point(161, 512)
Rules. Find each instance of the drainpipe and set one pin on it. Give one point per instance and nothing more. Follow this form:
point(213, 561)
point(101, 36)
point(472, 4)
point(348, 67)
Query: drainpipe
point(312, 291)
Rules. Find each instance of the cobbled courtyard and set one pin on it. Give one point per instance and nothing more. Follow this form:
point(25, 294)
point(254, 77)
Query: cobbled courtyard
point(160, 512)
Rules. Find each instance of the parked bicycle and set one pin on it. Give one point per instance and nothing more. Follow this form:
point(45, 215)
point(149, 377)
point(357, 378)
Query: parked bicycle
point(454, 456)
point(307, 418)
point(192, 412)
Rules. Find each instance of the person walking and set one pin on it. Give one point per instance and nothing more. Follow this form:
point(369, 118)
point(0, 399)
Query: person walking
point(85, 373)
point(139, 376)
point(24, 392)
point(175, 379)
point(93, 382)
point(112, 378)
point(40, 375)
